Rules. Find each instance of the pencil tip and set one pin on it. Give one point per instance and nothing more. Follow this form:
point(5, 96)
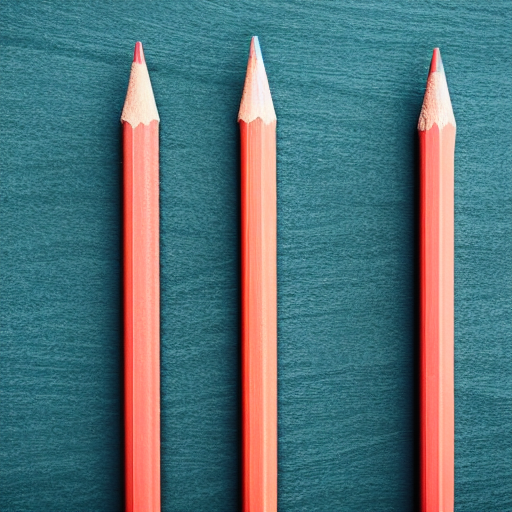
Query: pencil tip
point(256, 98)
point(436, 64)
point(437, 107)
point(255, 48)
point(138, 54)
point(139, 105)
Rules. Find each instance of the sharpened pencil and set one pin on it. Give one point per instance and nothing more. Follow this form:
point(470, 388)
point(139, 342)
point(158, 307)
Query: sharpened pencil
point(436, 129)
point(141, 291)
point(257, 121)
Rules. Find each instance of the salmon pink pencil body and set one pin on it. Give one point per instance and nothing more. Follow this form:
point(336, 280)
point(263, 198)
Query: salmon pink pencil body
point(436, 130)
point(141, 291)
point(257, 121)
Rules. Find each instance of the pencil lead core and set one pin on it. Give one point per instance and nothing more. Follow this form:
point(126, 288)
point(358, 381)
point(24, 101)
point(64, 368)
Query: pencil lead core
point(436, 63)
point(138, 54)
point(256, 98)
point(255, 48)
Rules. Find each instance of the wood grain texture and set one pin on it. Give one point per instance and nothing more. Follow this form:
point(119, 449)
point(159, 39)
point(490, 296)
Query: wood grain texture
point(347, 199)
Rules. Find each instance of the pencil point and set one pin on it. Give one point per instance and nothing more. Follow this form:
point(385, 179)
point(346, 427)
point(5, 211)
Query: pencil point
point(138, 54)
point(256, 98)
point(436, 64)
point(139, 106)
point(255, 48)
point(437, 106)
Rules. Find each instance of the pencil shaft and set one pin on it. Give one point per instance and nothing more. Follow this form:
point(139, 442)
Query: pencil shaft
point(436, 317)
point(259, 315)
point(141, 317)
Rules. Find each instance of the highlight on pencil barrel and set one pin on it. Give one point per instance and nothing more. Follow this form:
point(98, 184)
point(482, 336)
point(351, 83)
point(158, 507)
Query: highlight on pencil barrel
point(141, 282)
point(436, 129)
point(257, 120)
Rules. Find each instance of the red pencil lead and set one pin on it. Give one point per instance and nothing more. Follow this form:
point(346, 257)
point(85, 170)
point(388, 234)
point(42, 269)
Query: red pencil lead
point(255, 49)
point(138, 54)
point(436, 64)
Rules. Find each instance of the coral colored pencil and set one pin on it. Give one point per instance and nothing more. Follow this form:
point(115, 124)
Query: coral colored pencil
point(259, 289)
point(141, 291)
point(436, 129)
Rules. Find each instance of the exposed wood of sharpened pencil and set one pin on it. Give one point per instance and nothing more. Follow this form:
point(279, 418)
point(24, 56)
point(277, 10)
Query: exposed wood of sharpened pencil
point(257, 121)
point(436, 129)
point(141, 291)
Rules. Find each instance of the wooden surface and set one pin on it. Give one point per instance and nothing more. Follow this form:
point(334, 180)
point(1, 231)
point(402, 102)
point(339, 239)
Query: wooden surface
point(347, 82)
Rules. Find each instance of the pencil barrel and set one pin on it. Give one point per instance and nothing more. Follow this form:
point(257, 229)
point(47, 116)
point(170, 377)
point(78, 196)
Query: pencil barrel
point(259, 316)
point(436, 318)
point(141, 317)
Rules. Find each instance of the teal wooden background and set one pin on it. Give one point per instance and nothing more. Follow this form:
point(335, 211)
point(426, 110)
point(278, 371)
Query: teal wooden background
point(347, 80)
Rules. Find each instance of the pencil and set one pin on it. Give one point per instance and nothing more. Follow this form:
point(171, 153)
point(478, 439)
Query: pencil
point(141, 291)
point(257, 121)
point(436, 128)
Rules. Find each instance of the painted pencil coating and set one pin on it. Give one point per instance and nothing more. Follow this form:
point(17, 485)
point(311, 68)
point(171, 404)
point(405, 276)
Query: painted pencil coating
point(436, 128)
point(259, 289)
point(141, 292)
